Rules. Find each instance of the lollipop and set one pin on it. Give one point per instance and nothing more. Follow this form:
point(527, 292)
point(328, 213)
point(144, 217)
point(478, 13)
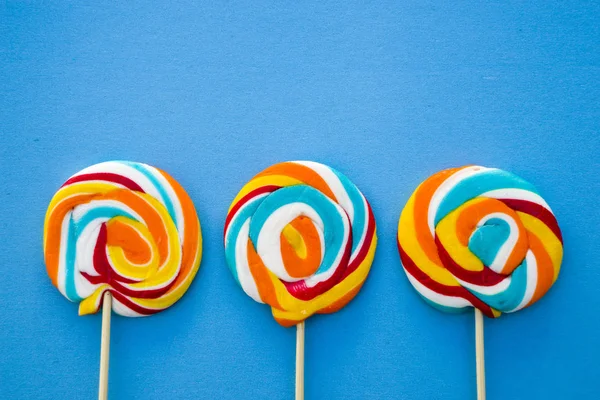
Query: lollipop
point(479, 237)
point(121, 235)
point(300, 237)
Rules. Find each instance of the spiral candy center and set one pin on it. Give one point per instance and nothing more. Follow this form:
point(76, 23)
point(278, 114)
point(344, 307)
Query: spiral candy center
point(301, 242)
point(479, 237)
point(290, 239)
point(126, 228)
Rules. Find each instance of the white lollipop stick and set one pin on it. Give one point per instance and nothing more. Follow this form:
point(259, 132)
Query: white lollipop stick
point(105, 346)
point(479, 356)
point(300, 361)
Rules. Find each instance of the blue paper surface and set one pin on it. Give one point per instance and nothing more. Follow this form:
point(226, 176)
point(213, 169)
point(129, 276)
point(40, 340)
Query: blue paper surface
point(387, 93)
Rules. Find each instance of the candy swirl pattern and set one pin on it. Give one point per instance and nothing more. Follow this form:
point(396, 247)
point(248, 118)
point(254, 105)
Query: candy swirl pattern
point(479, 237)
point(123, 227)
point(301, 238)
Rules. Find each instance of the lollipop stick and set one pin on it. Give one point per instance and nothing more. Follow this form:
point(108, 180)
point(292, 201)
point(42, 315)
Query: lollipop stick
point(105, 346)
point(300, 361)
point(479, 358)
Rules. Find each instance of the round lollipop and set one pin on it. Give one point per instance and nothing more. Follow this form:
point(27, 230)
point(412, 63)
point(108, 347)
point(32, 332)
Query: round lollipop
point(300, 237)
point(479, 237)
point(124, 236)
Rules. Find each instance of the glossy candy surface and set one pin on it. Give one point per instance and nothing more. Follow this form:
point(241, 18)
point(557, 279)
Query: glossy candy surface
point(123, 227)
point(300, 237)
point(479, 237)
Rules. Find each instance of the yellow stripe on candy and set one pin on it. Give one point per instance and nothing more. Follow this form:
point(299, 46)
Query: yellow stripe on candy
point(446, 231)
point(407, 236)
point(70, 192)
point(269, 180)
point(90, 304)
point(175, 293)
point(170, 267)
point(299, 310)
point(105, 231)
point(119, 260)
point(551, 243)
point(295, 239)
point(285, 275)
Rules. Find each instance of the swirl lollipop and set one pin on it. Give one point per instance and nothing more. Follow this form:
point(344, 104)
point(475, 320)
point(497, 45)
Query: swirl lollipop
point(300, 237)
point(121, 235)
point(479, 237)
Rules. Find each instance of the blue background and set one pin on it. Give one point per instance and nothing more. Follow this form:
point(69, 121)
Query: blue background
point(386, 93)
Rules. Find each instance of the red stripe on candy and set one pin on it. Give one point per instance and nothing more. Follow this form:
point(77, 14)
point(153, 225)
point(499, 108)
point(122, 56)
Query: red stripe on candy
point(106, 275)
point(302, 292)
point(536, 210)
point(366, 245)
point(244, 200)
point(487, 277)
point(453, 291)
point(105, 176)
point(101, 263)
point(299, 289)
point(131, 305)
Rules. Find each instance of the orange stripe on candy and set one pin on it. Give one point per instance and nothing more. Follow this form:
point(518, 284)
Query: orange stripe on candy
point(259, 272)
point(295, 264)
point(480, 208)
point(519, 251)
point(301, 173)
point(192, 240)
point(473, 213)
point(423, 196)
point(54, 228)
point(341, 303)
point(286, 323)
point(147, 212)
point(545, 268)
point(136, 249)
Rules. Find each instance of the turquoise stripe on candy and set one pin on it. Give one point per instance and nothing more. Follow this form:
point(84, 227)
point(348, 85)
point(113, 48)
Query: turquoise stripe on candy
point(75, 227)
point(333, 226)
point(510, 298)
point(358, 224)
point(451, 310)
point(159, 187)
point(476, 185)
point(234, 230)
point(487, 240)
point(70, 290)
